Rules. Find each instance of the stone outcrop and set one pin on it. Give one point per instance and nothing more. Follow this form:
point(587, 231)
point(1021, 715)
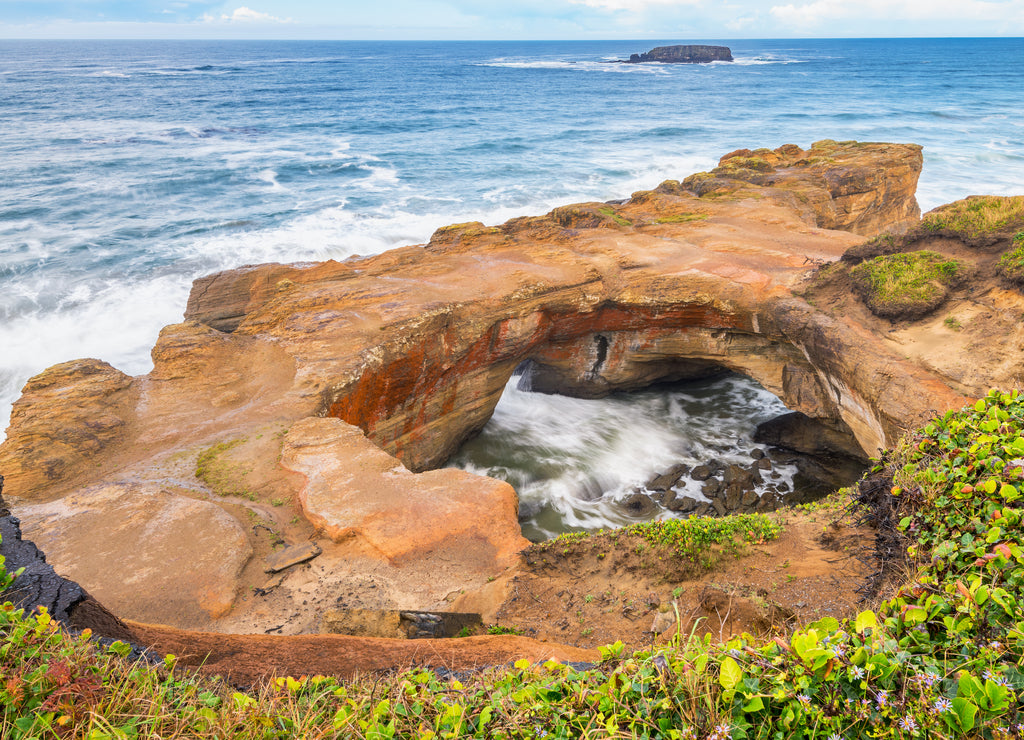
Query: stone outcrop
point(410, 350)
point(184, 555)
point(683, 54)
point(357, 490)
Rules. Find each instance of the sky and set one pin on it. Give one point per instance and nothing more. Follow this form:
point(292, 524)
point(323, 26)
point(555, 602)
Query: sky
point(508, 19)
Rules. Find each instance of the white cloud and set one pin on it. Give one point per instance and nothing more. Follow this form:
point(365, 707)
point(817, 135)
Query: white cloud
point(245, 15)
point(738, 24)
point(822, 11)
point(633, 5)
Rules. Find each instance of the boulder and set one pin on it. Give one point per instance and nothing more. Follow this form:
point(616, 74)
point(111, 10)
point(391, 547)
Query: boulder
point(800, 433)
point(667, 479)
point(353, 489)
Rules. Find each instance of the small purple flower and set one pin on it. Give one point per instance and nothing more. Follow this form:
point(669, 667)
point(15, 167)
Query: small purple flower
point(907, 723)
point(839, 651)
point(804, 699)
point(858, 671)
point(835, 736)
point(882, 697)
point(994, 645)
point(942, 705)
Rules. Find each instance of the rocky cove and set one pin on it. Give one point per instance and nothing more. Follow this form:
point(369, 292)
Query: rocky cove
point(305, 404)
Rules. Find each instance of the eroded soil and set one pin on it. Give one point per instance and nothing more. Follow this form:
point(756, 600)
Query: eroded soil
point(974, 339)
point(618, 587)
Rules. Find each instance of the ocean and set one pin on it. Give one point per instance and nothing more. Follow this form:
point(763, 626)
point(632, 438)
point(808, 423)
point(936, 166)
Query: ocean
point(131, 168)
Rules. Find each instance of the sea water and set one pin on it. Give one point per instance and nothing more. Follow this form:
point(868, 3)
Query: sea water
point(131, 168)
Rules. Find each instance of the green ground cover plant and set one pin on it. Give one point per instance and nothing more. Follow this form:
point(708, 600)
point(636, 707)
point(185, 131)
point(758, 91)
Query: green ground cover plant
point(906, 285)
point(940, 657)
point(216, 472)
point(1011, 264)
point(681, 218)
point(975, 217)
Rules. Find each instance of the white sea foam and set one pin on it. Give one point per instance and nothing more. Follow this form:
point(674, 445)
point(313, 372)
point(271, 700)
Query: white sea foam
point(757, 61)
point(573, 460)
point(112, 320)
point(579, 66)
point(270, 177)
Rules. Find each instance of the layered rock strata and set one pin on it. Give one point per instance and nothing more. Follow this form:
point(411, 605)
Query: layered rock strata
point(330, 387)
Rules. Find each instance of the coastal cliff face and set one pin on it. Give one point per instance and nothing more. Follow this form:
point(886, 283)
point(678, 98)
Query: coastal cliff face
point(329, 387)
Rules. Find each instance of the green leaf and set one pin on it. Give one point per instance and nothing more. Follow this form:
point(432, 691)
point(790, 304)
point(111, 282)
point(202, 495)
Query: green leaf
point(965, 712)
point(916, 615)
point(865, 620)
point(754, 705)
point(825, 625)
point(969, 687)
point(998, 696)
point(730, 674)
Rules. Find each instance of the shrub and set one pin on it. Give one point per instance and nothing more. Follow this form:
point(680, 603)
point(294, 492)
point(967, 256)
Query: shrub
point(906, 285)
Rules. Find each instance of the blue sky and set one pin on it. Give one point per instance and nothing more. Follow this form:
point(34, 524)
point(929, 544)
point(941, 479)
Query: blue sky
point(507, 19)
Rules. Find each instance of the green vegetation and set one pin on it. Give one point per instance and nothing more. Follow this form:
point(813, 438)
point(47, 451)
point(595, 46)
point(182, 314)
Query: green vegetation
point(681, 218)
point(942, 657)
point(697, 537)
point(1011, 264)
point(756, 164)
point(610, 213)
point(697, 543)
point(499, 629)
point(221, 476)
point(952, 322)
point(906, 285)
point(977, 216)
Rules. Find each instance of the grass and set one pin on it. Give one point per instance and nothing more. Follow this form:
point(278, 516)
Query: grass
point(694, 544)
point(977, 216)
point(610, 213)
point(906, 285)
point(220, 475)
point(942, 657)
point(1011, 264)
point(681, 218)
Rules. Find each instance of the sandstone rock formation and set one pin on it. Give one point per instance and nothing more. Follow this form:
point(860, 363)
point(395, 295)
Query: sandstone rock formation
point(409, 352)
point(680, 54)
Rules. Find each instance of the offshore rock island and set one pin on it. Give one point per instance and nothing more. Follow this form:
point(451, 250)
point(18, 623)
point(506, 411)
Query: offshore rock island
point(303, 409)
point(683, 54)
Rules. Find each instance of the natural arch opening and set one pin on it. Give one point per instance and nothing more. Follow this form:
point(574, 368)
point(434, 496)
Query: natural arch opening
point(712, 445)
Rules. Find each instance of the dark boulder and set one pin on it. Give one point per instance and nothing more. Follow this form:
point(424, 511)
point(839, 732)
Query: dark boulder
point(684, 54)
